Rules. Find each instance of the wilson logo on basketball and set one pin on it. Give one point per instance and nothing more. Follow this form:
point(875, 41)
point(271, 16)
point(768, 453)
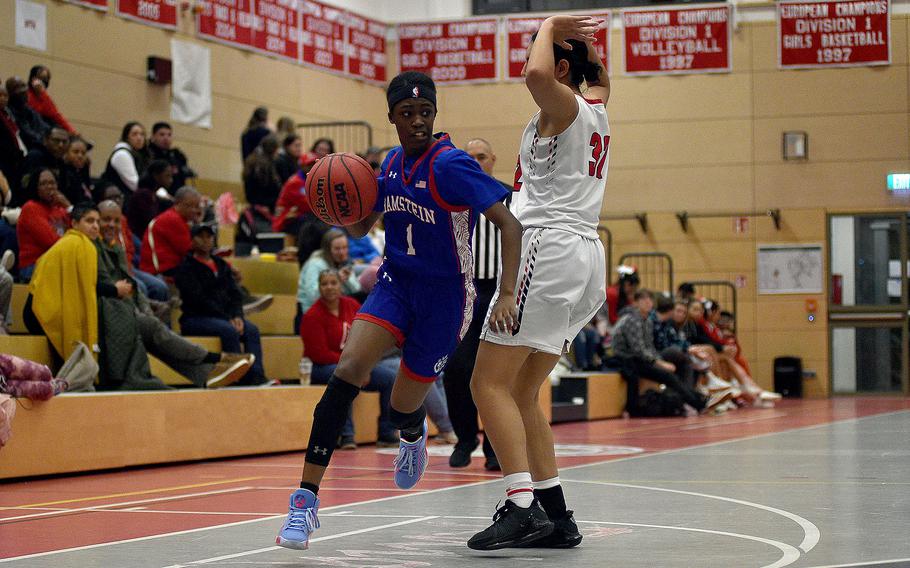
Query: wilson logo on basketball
point(320, 207)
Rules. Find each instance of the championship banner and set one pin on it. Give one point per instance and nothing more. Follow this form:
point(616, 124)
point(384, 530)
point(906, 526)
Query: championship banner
point(323, 36)
point(160, 13)
point(94, 4)
point(672, 41)
point(460, 51)
point(519, 30)
point(366, 48)
point(833, 34)
point(276, 28)
point(226, 21)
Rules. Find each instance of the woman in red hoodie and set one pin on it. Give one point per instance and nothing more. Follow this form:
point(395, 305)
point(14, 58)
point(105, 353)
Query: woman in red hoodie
point(43, 220)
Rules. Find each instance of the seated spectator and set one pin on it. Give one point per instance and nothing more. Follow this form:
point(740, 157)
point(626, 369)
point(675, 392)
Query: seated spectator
point(622, 293)
point(39, 81)
point(151, 197)
point(324, 329)
point(289, 156)
point(261, 183)
point(285, 127)
point(212, 302)
point(292, 203)
point(12, 148)
point(8, 218)
point(633, 344)
point(668, 342)
point(323, 147)
point(362, 252)
point(332, 255)
point(256, 129)
point(585, 347)
point(42, 222)
point(32, 127)
point(685, 291)
point(201, 367)
point(49, 155)
point(161, 147)
point(77, 184)
point(128, 159)
point(167, 239)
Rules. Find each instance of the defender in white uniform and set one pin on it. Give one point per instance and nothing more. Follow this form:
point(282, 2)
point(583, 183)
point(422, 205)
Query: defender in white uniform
point(562, 171)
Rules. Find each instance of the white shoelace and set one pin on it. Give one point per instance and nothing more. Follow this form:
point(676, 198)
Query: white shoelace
point(407, 456)
point(304, 519)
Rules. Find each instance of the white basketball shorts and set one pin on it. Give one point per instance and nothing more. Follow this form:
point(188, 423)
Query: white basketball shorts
point(561, 285)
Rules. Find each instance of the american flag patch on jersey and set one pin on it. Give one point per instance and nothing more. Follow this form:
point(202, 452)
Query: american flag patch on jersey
point(421, 184)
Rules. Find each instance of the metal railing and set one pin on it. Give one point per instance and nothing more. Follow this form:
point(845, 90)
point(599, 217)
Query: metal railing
point(721, 291)
point(655, 269)
point(350, 136)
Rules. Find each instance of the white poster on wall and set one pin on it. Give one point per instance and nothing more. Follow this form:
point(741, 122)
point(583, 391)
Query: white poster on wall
point(790, 269)
point(191, 84)
point(31, 25)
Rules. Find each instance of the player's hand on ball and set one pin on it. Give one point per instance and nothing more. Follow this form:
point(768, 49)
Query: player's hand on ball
point(504, 316)
point(581, 28)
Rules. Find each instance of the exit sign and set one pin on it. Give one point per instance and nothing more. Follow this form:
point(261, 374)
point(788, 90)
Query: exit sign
point(899, 182)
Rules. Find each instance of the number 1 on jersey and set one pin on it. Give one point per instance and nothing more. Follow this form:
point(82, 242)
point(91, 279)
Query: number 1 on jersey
point(410, 231)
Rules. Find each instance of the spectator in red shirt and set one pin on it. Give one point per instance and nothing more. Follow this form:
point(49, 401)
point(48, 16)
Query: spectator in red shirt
point(43, 220)
point(39, 80)
point(167, 239)
point(622, 293)
point(324, 330)
point(292, 203)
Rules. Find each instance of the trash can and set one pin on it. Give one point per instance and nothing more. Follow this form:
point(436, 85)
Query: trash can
point(788, 376)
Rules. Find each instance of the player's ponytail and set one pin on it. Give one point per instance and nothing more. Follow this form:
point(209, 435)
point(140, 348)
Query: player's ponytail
point(580, 69)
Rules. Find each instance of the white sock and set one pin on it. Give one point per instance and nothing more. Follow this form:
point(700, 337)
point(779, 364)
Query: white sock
point(546, 483)
point(519, 489)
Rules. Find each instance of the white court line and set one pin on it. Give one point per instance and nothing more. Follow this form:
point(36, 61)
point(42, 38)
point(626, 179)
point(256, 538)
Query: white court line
point(474, 484)
point(319, 539)
point(321, 489)
point(810, 530)
point(108, 506)
point(734, 422)
point(870, 563)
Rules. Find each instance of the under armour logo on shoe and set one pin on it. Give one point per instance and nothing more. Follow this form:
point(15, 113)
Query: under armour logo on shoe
point(318, 450)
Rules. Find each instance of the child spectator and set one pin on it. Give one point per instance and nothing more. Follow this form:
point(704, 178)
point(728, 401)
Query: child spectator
point(32, 127)
point(334, 255)
point(212, 302)
point(39, 81)
point(261, 183)
point(42, 222)
point(324, 330)
point(289, 156)
point(256, 129)
point(167, 239)
point(128, 159)
point(622, 293)
point(77, 183)
point(161, 147)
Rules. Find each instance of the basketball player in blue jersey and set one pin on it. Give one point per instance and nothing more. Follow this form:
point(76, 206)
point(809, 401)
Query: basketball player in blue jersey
point(560, 188)
point(430, 194)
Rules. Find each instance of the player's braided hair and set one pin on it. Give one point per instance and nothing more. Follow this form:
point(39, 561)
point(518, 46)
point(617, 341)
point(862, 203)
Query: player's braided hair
point(580, 69)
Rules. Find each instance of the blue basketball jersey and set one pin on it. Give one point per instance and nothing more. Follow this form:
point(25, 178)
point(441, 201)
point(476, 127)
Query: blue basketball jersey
point(430, 204)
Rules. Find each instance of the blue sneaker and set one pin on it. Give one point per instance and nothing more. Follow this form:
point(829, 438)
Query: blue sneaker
point(411, 461)
point(301, 521)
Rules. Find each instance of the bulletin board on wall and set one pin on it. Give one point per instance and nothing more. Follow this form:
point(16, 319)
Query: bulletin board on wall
point(790, 269)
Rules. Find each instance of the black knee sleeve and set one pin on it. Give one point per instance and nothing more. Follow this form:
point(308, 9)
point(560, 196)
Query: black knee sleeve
point(410, 423)
point(328, 420)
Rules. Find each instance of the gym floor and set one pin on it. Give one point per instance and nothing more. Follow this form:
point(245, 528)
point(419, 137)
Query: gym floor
point(811, 483)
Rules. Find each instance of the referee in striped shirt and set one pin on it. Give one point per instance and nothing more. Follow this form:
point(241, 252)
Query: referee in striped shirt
point(462, 410)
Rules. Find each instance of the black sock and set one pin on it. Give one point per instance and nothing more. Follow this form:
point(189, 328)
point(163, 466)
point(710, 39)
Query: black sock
point(553, 501)
point(212, 358)
point(328, 420)
point(310, 487)
point(410, 423)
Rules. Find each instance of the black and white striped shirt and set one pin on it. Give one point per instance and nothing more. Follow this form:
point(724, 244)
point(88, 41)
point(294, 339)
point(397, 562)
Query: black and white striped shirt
point(487, 245)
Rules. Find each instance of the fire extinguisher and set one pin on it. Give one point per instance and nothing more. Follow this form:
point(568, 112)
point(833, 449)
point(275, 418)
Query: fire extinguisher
point(837, 289)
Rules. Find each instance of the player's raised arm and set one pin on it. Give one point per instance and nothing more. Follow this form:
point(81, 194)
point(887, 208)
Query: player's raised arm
point(504, 314)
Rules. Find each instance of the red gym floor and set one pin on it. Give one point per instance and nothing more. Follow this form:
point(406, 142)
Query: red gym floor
point(72, 511)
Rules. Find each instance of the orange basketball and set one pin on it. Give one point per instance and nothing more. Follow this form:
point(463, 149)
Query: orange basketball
point(341, 189)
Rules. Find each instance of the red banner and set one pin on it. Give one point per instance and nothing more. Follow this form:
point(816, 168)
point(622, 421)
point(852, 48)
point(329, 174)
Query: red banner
point(833, 34)
point(323, 36)
point(677, 40)
point(520, 29)
point(161, 13)
point(463, 51)
point(366, 47)
point(276, 27)
point(96, 4)
point(228, 21)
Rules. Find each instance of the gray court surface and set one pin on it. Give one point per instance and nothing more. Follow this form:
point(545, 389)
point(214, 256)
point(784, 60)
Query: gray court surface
point(832, 495)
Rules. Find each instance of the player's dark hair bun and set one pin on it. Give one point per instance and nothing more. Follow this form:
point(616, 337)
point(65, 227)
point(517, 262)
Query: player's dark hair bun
point(580, 69)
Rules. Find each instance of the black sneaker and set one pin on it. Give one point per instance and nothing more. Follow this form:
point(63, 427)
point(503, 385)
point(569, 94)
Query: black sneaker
point(461, 456)
point(565, 534)
point(513, 527)
point(492, 464)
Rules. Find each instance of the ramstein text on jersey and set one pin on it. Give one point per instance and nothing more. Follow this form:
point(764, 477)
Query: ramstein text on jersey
point(401, 203)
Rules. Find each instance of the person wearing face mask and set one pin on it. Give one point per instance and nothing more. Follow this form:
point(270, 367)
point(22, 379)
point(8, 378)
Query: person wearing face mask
point(39, 81)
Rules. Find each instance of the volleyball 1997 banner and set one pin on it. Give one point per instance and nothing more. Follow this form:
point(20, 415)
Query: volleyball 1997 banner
point(833, 34)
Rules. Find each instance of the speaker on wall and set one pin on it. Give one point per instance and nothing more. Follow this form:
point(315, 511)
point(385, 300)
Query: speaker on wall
point(158, 70)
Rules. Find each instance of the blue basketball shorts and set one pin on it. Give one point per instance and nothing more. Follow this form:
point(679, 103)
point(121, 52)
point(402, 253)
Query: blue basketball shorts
point(428, 315)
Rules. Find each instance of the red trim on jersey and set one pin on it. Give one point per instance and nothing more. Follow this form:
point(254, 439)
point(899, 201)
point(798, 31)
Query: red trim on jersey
point(388, 326)
point(433, 191)
point(594, 101)
point(414, 376)
point(407, 179)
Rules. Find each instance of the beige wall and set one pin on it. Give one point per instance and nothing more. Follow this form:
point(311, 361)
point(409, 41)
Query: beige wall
point(702, 143)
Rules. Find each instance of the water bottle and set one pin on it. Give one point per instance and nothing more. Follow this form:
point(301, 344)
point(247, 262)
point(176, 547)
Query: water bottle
point(306, 366)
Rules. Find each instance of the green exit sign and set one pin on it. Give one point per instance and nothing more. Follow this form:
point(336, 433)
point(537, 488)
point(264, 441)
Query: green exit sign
point(899, 182)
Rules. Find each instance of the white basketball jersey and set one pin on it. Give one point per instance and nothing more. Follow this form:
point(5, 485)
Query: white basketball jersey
point(561, 178)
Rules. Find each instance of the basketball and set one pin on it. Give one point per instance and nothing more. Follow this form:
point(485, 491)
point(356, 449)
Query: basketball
point(341, 189)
